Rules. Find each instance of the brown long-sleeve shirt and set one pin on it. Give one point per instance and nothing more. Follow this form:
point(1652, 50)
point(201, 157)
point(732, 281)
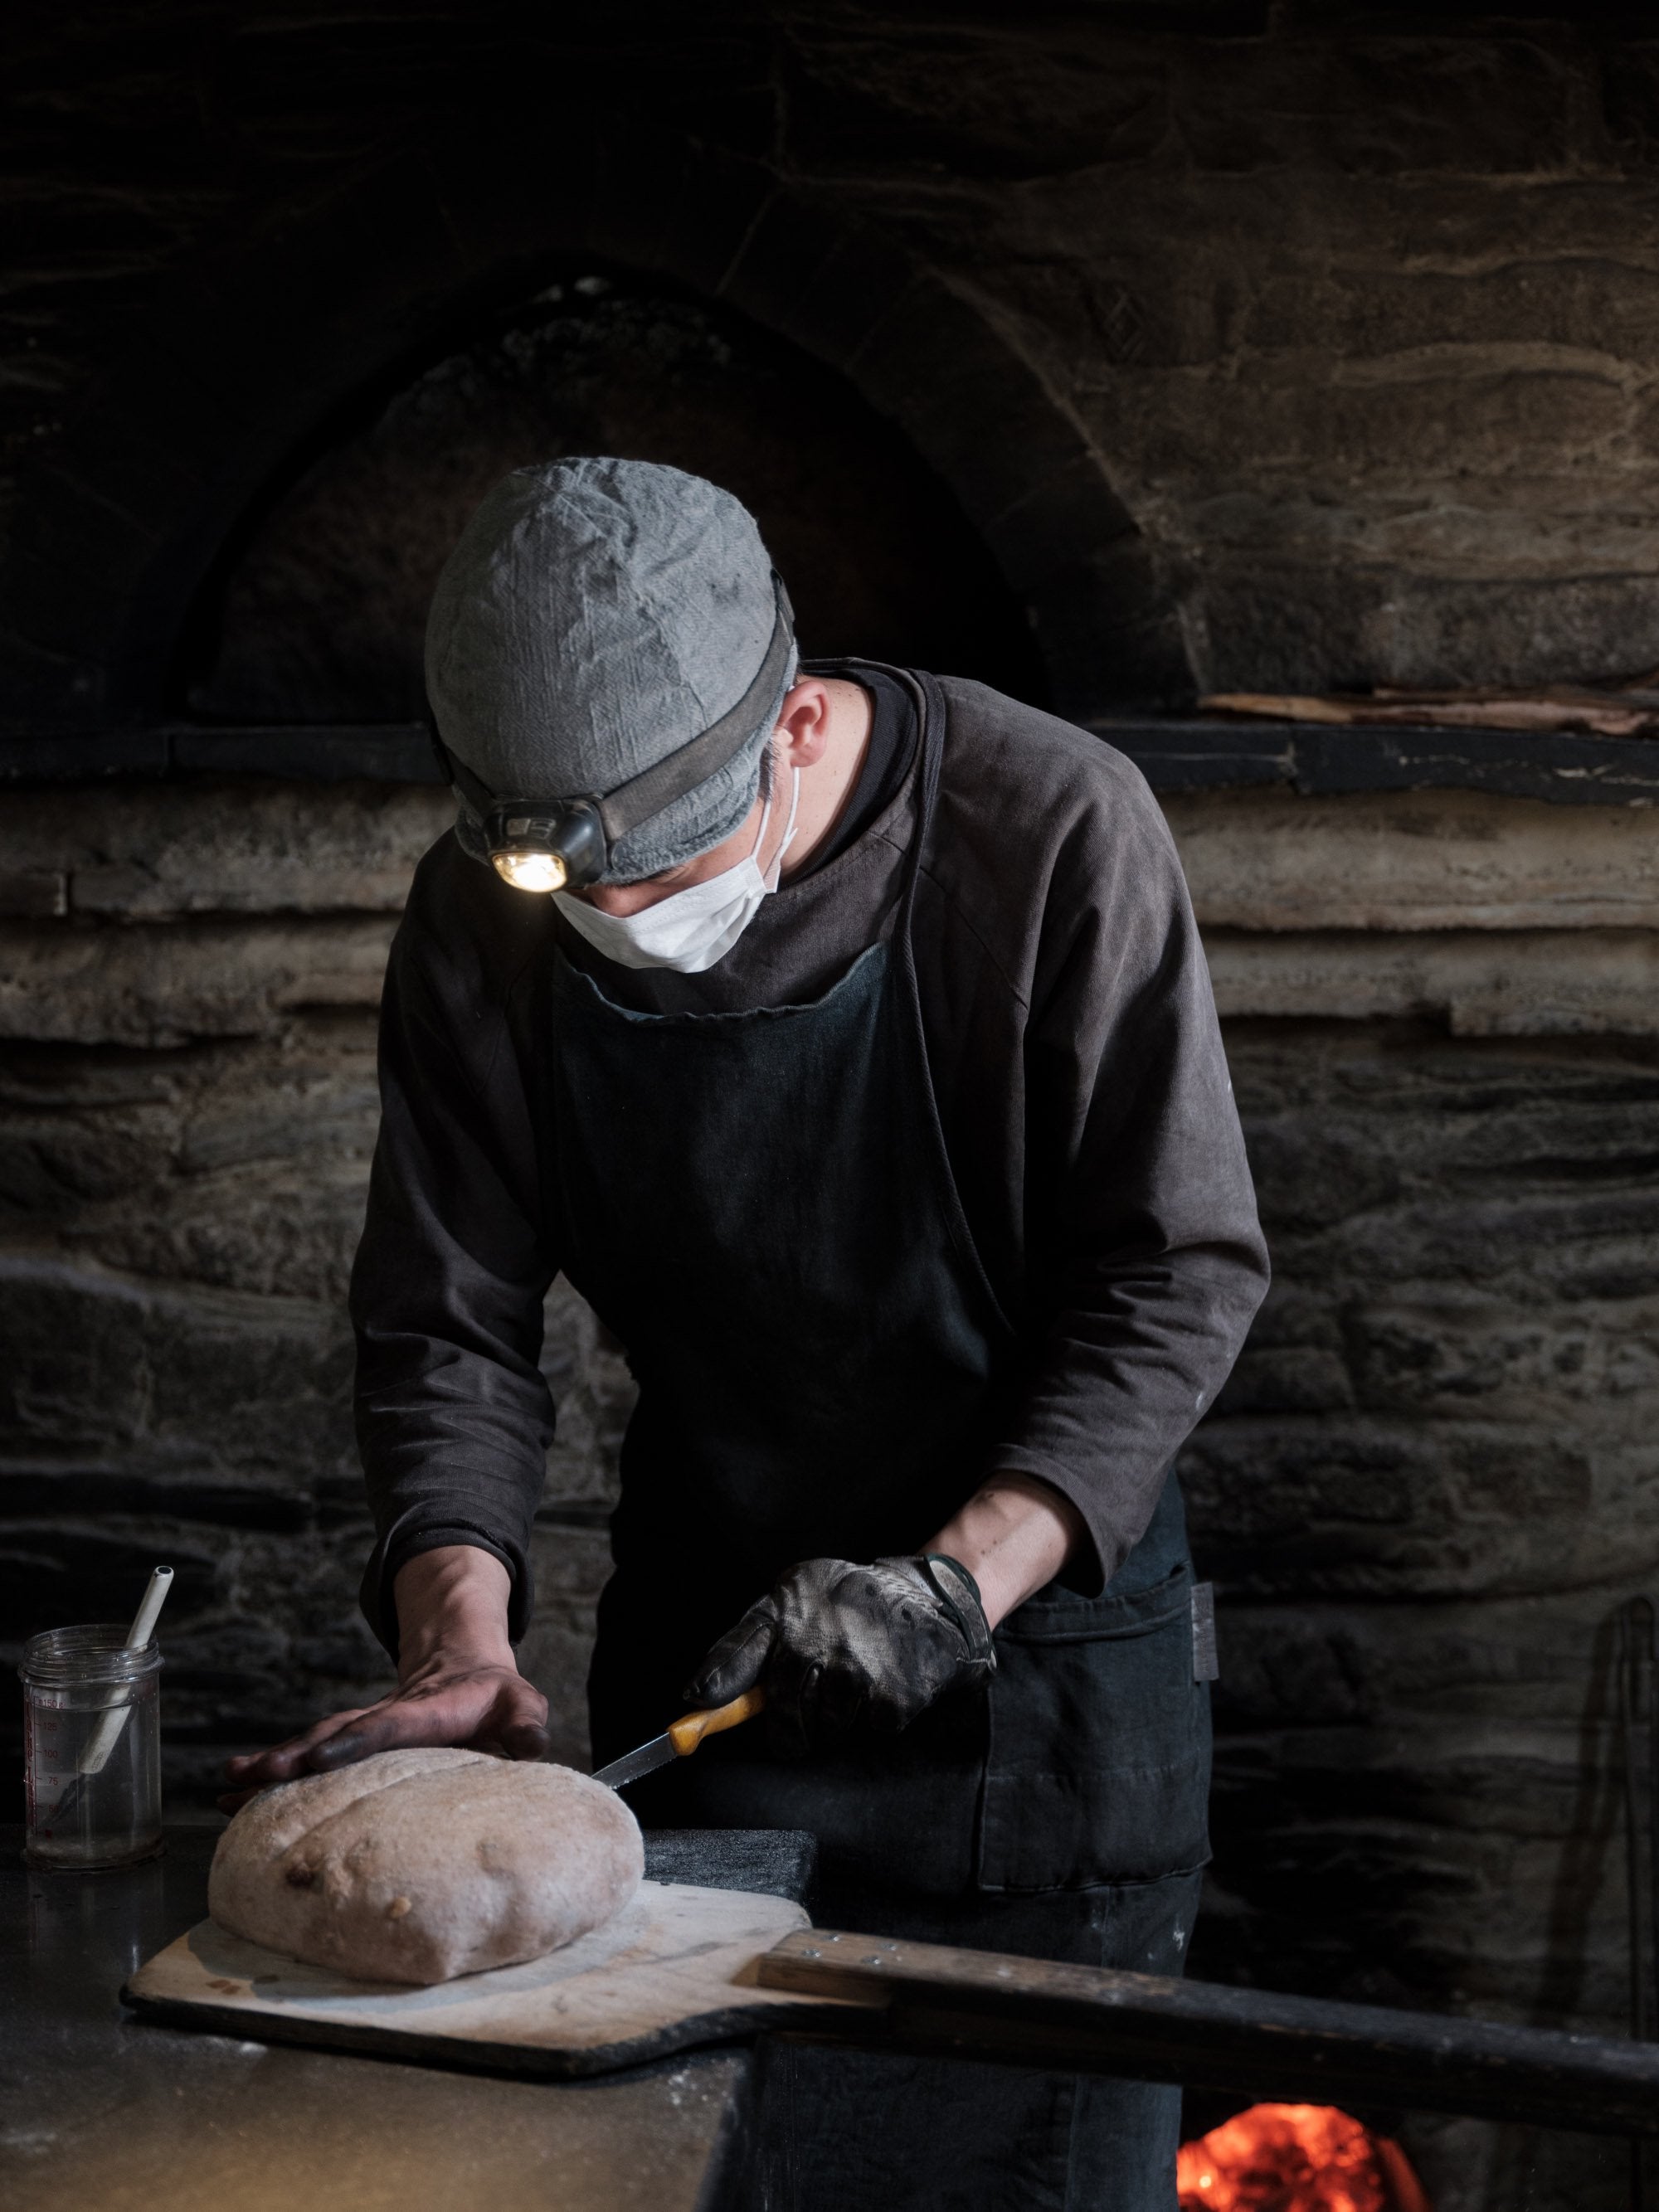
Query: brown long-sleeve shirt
point(1081, 1084)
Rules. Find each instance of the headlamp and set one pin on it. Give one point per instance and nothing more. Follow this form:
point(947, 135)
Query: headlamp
point(561, 844)
point(547, 848)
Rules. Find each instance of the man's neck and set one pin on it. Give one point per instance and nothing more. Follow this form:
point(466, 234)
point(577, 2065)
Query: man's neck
point(827, 787)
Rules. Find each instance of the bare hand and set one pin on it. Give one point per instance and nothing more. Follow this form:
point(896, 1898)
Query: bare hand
point(485, 1707)
point(458, 1683)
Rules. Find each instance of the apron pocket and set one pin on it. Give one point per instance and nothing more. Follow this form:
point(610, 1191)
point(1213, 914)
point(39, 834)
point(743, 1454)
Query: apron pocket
point(1098, 1764)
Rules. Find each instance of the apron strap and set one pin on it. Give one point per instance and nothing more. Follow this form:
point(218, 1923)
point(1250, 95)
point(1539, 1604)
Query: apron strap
point(931, 725)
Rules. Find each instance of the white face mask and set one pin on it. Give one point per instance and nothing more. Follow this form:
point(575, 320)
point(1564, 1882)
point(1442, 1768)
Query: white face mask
point(689, 930)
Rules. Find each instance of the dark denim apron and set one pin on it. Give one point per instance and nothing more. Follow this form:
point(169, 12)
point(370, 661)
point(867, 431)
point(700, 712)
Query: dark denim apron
point(759, 1205)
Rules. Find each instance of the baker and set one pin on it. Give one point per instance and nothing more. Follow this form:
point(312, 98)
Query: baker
point(861, 1072)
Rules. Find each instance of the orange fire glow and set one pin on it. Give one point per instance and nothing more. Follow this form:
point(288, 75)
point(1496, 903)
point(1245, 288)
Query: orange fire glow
point(1295, 2158)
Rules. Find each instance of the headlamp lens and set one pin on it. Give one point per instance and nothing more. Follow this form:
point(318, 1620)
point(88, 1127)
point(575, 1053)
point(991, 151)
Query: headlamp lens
point(553, 845)
point(532, 871)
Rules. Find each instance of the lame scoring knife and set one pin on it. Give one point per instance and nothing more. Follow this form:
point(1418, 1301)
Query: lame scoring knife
point(680, 1741)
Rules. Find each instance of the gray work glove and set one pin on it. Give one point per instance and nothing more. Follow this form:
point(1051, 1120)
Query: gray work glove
point(836, 1643)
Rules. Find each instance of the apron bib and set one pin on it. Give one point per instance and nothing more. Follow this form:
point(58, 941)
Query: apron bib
point(759, 1205)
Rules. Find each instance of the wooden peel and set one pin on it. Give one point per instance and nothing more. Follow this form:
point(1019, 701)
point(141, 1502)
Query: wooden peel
point(939, 2000)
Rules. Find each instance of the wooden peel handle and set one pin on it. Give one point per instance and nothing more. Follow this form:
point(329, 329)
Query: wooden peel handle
point(688, 1733)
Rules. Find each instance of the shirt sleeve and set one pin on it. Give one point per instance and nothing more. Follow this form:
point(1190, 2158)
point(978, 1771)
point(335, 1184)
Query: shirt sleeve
point(453, 1418)
point(1145, 1258)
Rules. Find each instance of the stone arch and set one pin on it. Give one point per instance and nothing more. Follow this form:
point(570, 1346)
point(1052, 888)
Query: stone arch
point(229, 375)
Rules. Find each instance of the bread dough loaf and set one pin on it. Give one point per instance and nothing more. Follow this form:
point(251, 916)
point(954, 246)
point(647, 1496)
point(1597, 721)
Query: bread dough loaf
point(416, 1866)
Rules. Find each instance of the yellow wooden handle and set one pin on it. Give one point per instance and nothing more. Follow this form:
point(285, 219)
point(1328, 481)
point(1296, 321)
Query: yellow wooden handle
point(688, 1733)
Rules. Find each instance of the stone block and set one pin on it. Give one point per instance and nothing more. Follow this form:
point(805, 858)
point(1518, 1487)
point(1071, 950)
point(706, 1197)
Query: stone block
point(1299, 1380)
point(1309, 1176)
point(1414, 860)
point(979, 414)
point(1272, 1494)
point(1108, 641)
point(284, 1234)
point(1297, 1505)
point(152, 851)
point(983, 100)
point(1294, 1315)
point(39, 893)
point(1445, 1355)
point(1378, 105)
point(1117, 314)
point(1473, 415)
point(56, 1574)
point(1516, 1925)
point(1492, 983)
point(1563, 527)
point(691, 218)
point(1543, 1664)
point(1630, 102)
point(1305, 623)
point(1592, 303)
point(843, 294)
point(100, 1364)
point(1528, 1245)
point(161, 986)
point(233, 1163)
point(775, 274)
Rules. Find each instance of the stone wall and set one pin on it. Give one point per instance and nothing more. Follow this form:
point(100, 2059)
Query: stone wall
point(1198, 345)
point(1434, 1474)
point(1325, 331)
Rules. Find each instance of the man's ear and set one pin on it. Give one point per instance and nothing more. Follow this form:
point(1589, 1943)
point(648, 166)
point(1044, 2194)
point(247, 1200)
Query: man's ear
point(803, 723)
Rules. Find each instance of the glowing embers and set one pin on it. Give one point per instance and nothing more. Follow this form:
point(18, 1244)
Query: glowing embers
point(1295, 2158)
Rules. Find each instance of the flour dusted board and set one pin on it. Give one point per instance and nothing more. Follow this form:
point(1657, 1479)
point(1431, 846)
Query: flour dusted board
point(675, 1969)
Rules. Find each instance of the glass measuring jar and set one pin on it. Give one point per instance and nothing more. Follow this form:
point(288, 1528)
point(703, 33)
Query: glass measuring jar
point(92, 1747)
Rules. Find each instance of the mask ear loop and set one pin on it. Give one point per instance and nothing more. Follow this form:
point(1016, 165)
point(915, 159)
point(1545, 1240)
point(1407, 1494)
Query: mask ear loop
point(760, 834)
point(776, 869)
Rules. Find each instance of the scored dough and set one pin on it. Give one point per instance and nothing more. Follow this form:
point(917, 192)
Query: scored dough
point(416, 1866)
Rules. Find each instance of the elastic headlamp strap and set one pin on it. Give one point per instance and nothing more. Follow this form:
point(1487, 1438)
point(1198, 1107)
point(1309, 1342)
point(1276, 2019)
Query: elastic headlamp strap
point(477, 794)
point(646, 794)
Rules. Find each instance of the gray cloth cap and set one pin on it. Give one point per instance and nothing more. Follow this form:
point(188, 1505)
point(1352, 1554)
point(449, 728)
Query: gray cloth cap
point(596, 616)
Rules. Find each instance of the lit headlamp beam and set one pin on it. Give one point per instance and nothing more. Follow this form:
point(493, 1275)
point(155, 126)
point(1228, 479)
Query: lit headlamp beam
point(530, 872)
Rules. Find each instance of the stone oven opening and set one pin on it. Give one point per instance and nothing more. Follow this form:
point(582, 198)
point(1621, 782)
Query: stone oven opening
point(317, 606)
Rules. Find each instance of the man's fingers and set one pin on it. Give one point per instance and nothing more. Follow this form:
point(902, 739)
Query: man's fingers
point(295, 1746)
point(285, 1760)
point(349, 1745)
point(473, 1706)
point(339, 1740)
point(456, 1713)
point(840, 1700)
point(737, 1663)
point(518, 1720)
point(526, 1739)
point(792, 1696)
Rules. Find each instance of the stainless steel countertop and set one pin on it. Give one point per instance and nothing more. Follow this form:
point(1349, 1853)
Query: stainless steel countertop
point(101, 2113)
